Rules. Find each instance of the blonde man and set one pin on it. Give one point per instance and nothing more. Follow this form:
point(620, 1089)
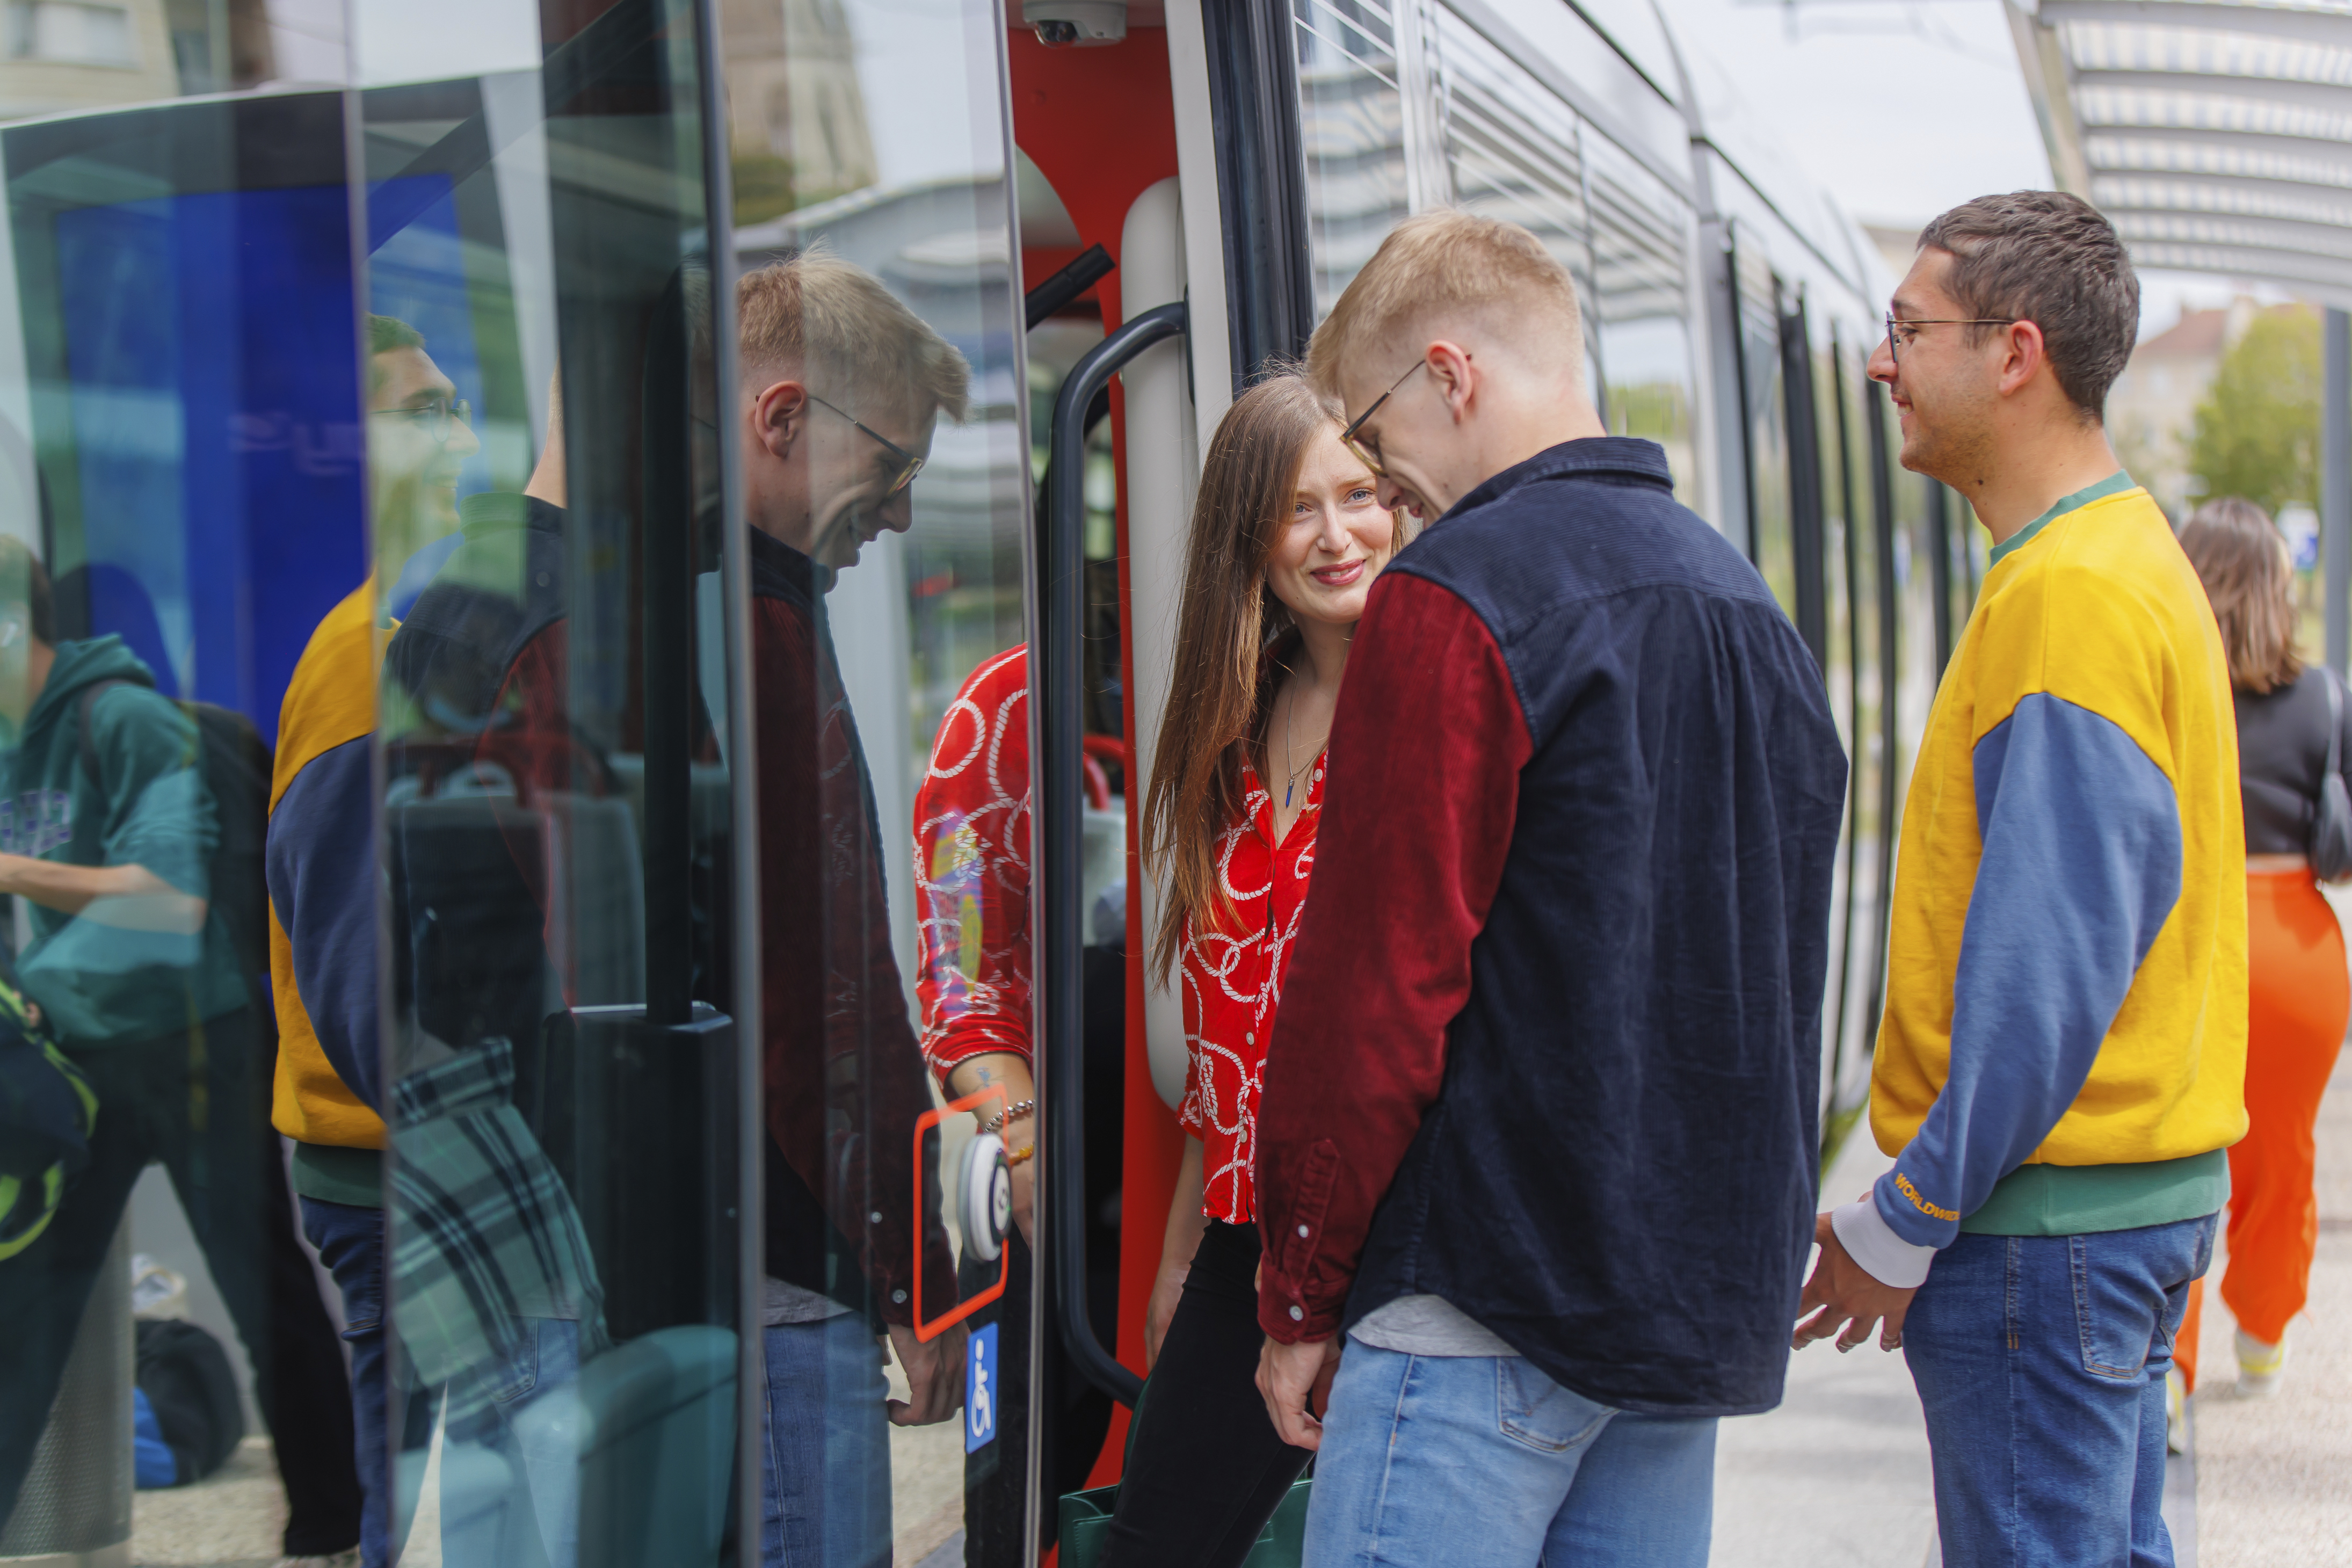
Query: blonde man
point(840, 387)
point(1539, 1114)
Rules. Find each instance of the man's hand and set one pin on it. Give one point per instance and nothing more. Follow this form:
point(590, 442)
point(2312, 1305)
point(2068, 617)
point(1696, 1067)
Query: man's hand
point(1296, 1381)
point(1848, 1298)
point(934, 1371)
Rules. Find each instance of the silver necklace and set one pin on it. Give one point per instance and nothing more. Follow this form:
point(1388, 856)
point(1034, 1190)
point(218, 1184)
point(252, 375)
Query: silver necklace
point(1288, 714)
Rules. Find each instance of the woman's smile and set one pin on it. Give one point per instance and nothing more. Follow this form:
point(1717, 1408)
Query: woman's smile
point(1340, 573)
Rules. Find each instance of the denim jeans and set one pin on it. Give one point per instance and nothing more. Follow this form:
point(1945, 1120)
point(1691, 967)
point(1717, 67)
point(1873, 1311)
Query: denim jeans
point(350, 1240)
point(1423, 1455)
point(510, 1496)
point(825, 1483)
point(2040, 1360)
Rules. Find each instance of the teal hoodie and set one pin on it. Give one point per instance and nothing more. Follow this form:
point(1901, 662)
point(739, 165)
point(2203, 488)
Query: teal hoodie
point(101, 982)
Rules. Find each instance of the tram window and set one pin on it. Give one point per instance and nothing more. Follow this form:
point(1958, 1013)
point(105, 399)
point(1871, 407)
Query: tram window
point(1353, 125)
point(1772, 541)
point(1640, 299)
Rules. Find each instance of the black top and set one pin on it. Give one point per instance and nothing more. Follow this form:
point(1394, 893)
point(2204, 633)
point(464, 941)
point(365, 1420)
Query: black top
point(2282, 751)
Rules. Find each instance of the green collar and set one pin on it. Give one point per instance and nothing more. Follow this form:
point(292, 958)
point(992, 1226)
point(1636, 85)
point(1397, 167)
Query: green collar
point(2114, 484)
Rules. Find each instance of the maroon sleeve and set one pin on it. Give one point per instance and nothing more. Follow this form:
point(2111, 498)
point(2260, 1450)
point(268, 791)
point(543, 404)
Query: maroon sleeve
point(1417, 813)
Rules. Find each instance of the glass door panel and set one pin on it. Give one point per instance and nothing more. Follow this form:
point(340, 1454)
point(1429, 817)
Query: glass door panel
point(558, 836)
point(878, 325)
point(181, 487)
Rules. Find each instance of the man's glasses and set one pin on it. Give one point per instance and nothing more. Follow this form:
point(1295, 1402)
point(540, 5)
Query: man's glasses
point(1895, 330)
point(1369, 452)
point(437, 418)
point(905, 465)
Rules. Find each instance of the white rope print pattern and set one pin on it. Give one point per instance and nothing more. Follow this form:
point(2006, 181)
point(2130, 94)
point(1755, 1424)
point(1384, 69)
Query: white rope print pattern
point(958, 850)
point(1234, 977)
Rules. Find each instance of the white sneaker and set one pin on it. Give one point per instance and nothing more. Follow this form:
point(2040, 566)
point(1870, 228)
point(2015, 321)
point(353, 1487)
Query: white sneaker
point(2175, 1412)
point(2261, 1368)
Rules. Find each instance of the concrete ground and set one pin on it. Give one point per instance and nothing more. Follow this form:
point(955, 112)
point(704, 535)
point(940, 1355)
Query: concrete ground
point(1839, 1474)
point(2274, 1476)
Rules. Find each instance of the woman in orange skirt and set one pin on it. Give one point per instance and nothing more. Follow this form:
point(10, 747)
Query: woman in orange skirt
point(2298, 994)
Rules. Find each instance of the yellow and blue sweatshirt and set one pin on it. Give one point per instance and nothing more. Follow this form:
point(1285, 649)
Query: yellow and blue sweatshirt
point(2064, 1041)
point(322, 880)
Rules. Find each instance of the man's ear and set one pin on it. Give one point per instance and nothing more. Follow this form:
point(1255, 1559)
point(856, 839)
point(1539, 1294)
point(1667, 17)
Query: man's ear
point(1455, 376)
point(778, 414)
point(2023, 353)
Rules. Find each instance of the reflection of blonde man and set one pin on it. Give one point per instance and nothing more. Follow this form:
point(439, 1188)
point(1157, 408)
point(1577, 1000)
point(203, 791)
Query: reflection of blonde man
point(841, 385)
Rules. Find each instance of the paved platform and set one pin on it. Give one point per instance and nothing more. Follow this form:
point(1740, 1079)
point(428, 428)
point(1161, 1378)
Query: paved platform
point(1839, 1474)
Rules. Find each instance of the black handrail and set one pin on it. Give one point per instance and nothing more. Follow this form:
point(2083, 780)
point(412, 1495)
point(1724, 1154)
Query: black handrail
point(1061, 621)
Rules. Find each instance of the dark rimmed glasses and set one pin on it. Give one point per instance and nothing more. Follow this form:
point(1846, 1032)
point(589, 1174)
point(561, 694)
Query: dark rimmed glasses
point(1894, 343)
point(907, 464)
point(1369, 454)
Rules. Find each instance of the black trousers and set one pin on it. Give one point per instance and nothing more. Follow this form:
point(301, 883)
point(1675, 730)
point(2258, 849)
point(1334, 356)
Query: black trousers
point(1207, 1469)
point(198, 1103)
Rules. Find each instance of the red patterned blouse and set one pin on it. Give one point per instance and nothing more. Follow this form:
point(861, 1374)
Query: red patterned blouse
point(971, 871)
point(1232, 983)
point(971, 886)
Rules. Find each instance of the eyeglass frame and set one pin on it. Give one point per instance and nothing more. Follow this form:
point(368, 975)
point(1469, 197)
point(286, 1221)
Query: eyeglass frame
point(1371, 455)
point(453, 411)
point(911, 463)
point(1895, 350)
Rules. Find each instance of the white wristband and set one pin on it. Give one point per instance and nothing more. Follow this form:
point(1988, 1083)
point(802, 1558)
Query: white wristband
point(1870, 1241)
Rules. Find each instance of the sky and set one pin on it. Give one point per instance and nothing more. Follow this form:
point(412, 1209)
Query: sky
point(1899, 109)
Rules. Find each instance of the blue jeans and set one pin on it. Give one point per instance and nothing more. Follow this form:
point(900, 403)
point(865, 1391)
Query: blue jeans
point(510, 1493)
point(350, 1244)
point(1423, 1456)
point(2040, 1360)
point(824, 1480)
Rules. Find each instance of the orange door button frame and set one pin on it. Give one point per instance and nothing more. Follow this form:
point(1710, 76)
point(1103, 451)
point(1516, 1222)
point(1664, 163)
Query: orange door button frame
point(982, 1204)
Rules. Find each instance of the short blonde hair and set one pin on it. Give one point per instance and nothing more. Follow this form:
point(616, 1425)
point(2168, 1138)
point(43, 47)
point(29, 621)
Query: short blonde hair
point(1440, 263)
point(848, 334)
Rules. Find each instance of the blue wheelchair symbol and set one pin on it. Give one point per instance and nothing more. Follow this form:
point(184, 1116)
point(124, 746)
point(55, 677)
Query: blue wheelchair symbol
point(980, 1390)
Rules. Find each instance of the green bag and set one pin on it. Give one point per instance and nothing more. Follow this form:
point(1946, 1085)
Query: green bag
point(1086, 1521)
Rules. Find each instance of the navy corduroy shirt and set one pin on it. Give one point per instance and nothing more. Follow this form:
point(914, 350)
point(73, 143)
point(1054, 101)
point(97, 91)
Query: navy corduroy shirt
point(1550, 1045)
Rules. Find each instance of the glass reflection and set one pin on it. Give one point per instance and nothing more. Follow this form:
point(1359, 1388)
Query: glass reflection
point(179, 457)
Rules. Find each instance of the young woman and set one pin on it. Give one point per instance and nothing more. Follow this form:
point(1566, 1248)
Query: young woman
point(1287, 535)
point(2297, 993)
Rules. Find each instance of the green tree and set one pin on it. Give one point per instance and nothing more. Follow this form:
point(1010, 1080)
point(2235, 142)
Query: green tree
point(2257, 432)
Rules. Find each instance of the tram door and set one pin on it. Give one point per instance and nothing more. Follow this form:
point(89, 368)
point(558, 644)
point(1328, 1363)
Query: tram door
point(704, 828)
point(644, 658)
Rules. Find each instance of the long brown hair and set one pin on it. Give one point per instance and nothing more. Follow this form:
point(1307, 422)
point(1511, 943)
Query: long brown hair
point(1225, 623)
point(2241, 557)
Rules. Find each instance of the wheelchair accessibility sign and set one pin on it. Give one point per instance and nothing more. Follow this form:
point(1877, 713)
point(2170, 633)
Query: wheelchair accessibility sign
point(982, 1388)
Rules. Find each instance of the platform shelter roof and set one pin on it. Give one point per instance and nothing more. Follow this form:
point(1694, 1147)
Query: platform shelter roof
point(2217, 137)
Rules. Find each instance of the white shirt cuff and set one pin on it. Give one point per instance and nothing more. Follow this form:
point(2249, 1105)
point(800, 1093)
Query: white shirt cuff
point(1870, 1241)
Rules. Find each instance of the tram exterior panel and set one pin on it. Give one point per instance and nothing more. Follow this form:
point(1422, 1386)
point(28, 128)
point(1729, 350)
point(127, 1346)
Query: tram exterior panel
point(678, 784)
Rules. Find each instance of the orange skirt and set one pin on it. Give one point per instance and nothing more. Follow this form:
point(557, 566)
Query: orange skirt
point(2298, 997)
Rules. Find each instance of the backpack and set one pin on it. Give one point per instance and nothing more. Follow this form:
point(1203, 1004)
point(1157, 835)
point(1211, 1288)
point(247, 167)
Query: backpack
point(47, 1112)
point(184, 1375)
point(237, 768)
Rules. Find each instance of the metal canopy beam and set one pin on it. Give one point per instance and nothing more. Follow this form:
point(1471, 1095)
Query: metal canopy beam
point(2258, 21)
point(2230, 196)
point(2318, 240)
point(2327, 150)
point(2262, 89)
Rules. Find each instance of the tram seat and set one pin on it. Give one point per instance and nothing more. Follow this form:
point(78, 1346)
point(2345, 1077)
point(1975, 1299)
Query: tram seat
point(653, 1421)
point(596, 897)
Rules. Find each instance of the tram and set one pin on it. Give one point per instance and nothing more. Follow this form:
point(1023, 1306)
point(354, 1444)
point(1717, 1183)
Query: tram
point(664, 848)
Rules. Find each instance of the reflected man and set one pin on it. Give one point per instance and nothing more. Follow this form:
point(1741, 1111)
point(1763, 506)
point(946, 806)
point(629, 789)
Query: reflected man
point(841, 387)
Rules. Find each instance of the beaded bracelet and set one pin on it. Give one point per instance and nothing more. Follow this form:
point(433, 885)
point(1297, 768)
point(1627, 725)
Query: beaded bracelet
point(1012, 1112)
